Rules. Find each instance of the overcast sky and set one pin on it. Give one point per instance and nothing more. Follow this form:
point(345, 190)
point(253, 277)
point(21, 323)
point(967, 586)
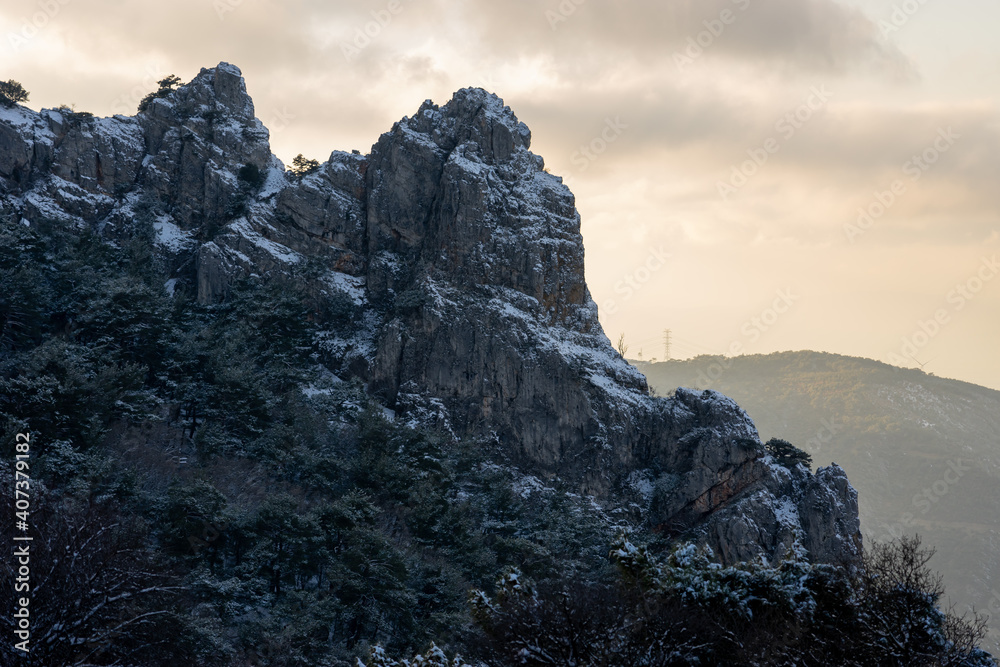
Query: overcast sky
point(721, 151)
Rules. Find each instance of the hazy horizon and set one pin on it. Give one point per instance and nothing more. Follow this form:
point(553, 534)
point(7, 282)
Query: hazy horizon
point(755, 175)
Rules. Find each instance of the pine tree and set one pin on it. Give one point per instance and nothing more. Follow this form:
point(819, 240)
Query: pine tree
point(787, 454)
point(302, 166)
point(166, 86)
point(12, 93)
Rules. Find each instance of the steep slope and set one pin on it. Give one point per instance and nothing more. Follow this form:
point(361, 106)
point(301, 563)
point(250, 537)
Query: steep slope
point(448, 272)
point(923, 451)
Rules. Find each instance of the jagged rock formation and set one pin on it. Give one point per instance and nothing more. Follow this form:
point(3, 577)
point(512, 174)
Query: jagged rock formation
point(451, 267)
point(896, 432)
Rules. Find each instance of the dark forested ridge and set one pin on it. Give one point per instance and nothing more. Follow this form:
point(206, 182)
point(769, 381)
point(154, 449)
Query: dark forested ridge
point(923, 451)
point(242, 506)
point(274, 513)
point(362, 411)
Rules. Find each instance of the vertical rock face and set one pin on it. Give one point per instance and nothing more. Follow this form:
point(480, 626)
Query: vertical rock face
point(196, 141)
point(453, 269)
point(463, 220)
point(456, 190)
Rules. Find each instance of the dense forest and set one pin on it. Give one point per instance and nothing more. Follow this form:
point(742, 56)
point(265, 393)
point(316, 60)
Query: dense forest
point(205, 492)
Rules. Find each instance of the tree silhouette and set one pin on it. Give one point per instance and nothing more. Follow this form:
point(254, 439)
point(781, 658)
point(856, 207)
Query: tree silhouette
point(787, 454)
point(12, 93)
point(166, 86)
point(303, 166)
point(622, 347)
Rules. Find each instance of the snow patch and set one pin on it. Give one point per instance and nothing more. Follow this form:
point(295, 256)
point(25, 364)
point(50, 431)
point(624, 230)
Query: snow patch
point(275, 180)
point(170, 236)
point(642, 482)
point(47, 207)
point(787, 513)
point(526, 485)
point(616, 390)
point(18, 117)
point(280, 252)
point(122, 129)
point(467, 165)
point(352, 286)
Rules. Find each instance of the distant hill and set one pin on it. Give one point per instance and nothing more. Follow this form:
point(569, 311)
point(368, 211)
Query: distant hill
point(922, 451)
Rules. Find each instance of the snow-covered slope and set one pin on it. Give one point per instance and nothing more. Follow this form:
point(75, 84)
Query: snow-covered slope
point(449, 266)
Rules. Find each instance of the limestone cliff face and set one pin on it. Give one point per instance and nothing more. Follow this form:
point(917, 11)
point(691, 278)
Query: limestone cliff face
point(451, 267)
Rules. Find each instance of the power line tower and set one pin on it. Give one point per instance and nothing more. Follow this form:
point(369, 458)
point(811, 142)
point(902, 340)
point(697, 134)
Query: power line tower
point(666, 344)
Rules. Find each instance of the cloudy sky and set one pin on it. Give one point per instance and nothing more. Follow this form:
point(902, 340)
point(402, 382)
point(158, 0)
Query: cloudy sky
point(755, 175)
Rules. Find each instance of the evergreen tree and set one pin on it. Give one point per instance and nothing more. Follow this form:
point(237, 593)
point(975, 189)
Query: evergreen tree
point(12, 93)
point(302, 166)
point(166, 86)
point(787, 454)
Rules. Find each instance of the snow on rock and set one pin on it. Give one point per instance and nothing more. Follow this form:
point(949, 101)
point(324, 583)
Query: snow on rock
point(280, 252)
point(467, 307)
point(527, 485)
point(170, 236)
point(352, 286)
point(786, 512)
point(275, 180)
point(19, 117)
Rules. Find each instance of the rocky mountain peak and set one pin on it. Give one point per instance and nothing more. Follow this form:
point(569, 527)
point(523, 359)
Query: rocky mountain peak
point(448, 269)
point(458, 186)
point(476, 117)
point(229, 88)
point(199, 136)
point(220, 90)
